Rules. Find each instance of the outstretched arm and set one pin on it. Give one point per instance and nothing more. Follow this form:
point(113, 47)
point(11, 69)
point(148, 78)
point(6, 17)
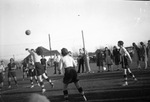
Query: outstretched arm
point(127, 53)
point(30, 51)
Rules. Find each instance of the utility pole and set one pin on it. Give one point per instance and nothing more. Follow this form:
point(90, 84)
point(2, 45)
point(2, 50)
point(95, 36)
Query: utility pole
point(83, 39)
point(50, 48)
point(49, 42)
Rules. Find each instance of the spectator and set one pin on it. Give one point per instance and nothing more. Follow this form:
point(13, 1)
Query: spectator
point(2, 73)
point(143, 54)
point(80, 61)
point(56, 63)
point(148, 52)
point(136, 55)
point(100, 60)
point(86, 59)
point(108, 58)
point(116, 57)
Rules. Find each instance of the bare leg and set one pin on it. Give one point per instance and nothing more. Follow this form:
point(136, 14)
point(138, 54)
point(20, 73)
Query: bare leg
point(125, 77)
point(46, 78)
point(41, 83)
point(131, 74)
point(31, 81)
point(65, 91)
point(36, 79)
point(80, 90)
point(9, 82)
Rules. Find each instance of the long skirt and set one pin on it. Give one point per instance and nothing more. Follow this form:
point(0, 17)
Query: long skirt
point(70, 75)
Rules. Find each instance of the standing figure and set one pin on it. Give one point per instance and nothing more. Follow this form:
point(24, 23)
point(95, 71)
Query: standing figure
point(100, 60)
point(116, 56)
point(80, 61)
point(136, 55)
point(144, 54)
point(36, 54)
point(12, 72)
point(148, 53)
point(70, 75)
point(56, 63)
point(86, 59)
point(32, 72)
point(2, 73)
point(24, 69)
point(124, 62)
point(44, 63)
point(108, 58)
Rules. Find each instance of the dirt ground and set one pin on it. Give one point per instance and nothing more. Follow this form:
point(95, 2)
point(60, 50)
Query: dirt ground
point(98, 87)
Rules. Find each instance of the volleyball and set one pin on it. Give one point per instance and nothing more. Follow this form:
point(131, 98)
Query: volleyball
point(27, 32)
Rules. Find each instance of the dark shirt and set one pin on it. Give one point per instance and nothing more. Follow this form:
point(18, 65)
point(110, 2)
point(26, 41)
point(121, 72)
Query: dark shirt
point(43, 61)
point(11, 66)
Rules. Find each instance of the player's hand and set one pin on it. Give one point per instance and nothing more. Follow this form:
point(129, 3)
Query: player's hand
point(27, 49)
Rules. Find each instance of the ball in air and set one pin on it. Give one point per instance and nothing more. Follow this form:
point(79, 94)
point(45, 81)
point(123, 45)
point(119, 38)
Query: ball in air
point(27, 32)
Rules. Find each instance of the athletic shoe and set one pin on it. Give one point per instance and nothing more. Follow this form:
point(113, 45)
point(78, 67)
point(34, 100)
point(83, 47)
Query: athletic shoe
point(85, 99)
point(9, 86)
point(125, 84)
point(43, 91)
point(32, 86)
point(38, 84)
point(135, 79)
point(52, 85)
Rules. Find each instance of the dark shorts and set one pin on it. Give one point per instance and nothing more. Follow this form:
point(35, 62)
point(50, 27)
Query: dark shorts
point(32, 72)
point(124, 62)
point(1, 78)
point(39, 68)
point(44, 67)
point(11, 74)
point(70, 75)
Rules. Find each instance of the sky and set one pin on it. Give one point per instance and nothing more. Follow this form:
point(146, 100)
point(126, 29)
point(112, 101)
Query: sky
point(103, 22)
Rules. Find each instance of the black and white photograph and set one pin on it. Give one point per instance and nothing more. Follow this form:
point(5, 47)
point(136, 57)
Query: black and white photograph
point(74, 50)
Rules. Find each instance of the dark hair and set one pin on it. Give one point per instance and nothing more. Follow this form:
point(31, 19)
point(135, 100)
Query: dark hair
point(12, 59)
point(148, 40)
point(115, 47)
point(39, 51)
point(141, 43)
point(120, 42)
point(64, 51)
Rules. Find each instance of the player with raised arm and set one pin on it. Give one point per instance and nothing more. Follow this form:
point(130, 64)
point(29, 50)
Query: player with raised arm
point(124, 61)
point(36, 54)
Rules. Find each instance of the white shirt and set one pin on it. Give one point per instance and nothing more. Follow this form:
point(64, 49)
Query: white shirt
point(58, 58)
point(123, 51)
point(36, 57)
point(67, 61)
point(1, 68)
